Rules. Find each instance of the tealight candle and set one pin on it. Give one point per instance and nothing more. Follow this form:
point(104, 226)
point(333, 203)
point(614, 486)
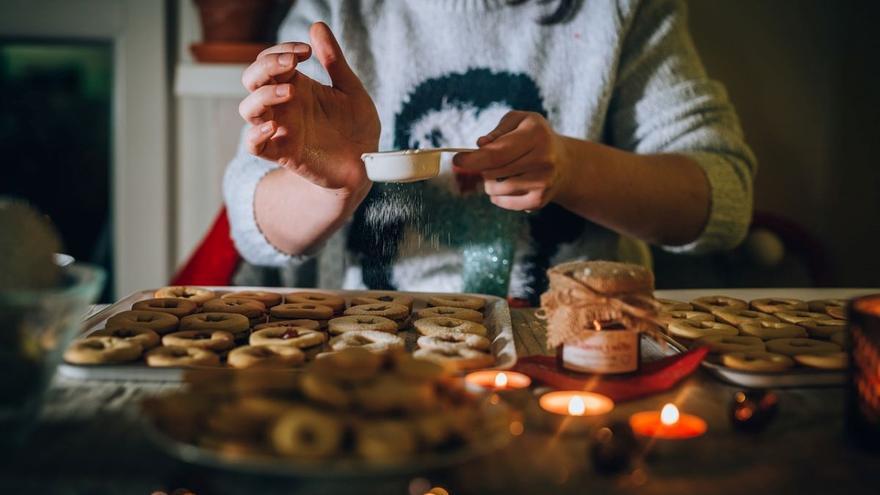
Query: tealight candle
point(667, 424)
point(575, 403)
point(498, 380)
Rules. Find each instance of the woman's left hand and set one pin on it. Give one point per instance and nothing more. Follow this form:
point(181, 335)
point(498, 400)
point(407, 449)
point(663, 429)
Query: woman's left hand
point(522, 161)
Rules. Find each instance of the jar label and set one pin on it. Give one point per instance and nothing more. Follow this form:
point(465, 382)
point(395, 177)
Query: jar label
point(615, 351)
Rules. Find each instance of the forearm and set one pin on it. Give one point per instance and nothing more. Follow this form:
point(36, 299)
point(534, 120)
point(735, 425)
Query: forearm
point(296, 215)
point(658, 198)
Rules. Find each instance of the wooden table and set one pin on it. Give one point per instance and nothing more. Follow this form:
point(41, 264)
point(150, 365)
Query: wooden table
point(89, 441)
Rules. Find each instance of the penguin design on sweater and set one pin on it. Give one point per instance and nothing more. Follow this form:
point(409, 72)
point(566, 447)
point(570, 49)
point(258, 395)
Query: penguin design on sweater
point(452, 210)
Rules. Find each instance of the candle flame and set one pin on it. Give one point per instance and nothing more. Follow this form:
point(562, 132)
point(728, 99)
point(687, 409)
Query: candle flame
point(501, 380)
point(597, 325)
point(669, 415)
point(576, 406)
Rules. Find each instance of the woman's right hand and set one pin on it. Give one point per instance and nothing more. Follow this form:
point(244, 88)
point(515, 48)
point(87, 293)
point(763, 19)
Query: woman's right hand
point(319, 132)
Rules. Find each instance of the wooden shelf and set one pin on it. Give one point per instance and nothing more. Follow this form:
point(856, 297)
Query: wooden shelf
point(209, 80)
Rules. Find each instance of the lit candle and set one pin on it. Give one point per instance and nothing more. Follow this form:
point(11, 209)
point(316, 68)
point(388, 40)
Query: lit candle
point(667, 424)
point(498, 380)
point(575, 403)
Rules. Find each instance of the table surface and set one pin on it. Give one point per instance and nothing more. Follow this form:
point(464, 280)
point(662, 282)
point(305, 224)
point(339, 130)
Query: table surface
point(88, 440)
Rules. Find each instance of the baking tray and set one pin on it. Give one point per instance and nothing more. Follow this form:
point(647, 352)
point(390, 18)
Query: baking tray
point(796, 377)
point(496, 313)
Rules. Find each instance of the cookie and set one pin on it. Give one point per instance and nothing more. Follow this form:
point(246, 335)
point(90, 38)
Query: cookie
point(711, 303)
point(756, 361)
point(145, 337)
point(739, 317)
point(268, 299)
point(773, 305)
point(798, 316)
point(265, 356)
point(823, 327)
point(344, 324)
point(210, 340)
point(249, 308)
point(458, 301)
point(175, 356)
point(236, 324)
point(293, 336)
point(336, 303)
point(197, 295)
point(722, 344)
point(170, 305)
point(696, 329)
point(457, 359)
point(768, 330)
point(450, 341)
point(442, 324)
point(824, 361)
point(396, 312)
point(668, 305)
point(376, 297)
point(793, 347)
point(305, 323)
point(102, 350)
point(293, 311)
point(367, 339)
point(307, 433)
point(450, 312)
point(160, 323)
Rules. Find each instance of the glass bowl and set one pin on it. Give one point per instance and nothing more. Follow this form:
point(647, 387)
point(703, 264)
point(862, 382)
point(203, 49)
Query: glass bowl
point(35, 328)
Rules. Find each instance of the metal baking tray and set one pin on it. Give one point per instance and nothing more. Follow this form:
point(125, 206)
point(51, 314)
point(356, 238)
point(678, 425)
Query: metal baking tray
point(795, 377)
point(497, 321)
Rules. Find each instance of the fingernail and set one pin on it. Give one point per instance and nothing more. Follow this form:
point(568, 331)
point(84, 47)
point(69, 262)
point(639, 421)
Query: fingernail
point(501, 179)
point(301, 50)
point(285, 59)
point(282, 90)
point(266, 128)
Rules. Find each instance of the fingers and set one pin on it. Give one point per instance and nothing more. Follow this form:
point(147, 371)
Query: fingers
point(275, 64)
point(519, 185)
point(256, 108)
point(509, 122)
point(331, 57)
point(495, 154)
point(527, 202)
point(258, 137)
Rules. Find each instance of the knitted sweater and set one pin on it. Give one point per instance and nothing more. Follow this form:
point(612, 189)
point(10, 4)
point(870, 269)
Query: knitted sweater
point(442, 73)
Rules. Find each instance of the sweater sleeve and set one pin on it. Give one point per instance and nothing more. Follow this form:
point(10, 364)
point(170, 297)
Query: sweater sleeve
point(663, 102)
point(245, 171)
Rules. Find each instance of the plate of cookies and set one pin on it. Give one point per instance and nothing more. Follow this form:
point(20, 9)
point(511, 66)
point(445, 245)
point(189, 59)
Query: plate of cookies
point(764, 337)
point(154, 335)
point(350, 413)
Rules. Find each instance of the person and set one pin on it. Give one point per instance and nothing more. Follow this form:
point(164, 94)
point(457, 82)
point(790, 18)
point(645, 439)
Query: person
point(595, 125)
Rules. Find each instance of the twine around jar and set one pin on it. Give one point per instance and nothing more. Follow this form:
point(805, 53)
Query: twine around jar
point(571, 308)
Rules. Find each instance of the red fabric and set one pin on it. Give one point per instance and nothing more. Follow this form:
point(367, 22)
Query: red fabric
point(214, 260)
point(654, 377)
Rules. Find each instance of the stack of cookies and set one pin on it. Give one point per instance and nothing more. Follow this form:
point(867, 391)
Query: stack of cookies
point(192, 326)
point(763, 335)
point(352, 405)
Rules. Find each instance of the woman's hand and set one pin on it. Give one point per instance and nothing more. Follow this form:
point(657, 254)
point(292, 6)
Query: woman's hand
point(317, 131)
point(522, 161)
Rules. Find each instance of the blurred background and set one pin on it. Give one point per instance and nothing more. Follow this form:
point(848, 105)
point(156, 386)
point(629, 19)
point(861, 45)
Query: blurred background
point(111, 125)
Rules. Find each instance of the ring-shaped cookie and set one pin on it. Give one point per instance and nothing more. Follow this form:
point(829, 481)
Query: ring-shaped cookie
point(396, 312)
point(823, 327)
point(696, 329)
point(367, 339)
point(249, 308)
point(450, 341)
point(175, 356)
point(769, 330)
point(143, 336)
point(268, 298)
point(668, 305)
point(384, 441)
point(295, 311)
point(197, 295)
point(265, 356)
point(793, 347)
point(294, 336)
point(326, 390)
point(756, 361)
point(824, 361)
point(739, 317)
point(160, 323)
point(458, 359)
point(711, 303)
point(210, 340)
point(378, 297)
point(233, 323)
point(450, 312)
point(838, 312)
point(336, 303)
point(102, 350)
point(771, 305)
point(171, 305)
point(307, 433)
point(671, 316)
point(389, 393)
point(441, 325)
point(458, 301)
point(348, 365)
point(344, 324)
point(798, 316)
point(721, 344)
point(305, 323)
point(820, 305)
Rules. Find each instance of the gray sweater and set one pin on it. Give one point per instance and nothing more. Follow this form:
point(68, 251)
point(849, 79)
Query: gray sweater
point(442, 73)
